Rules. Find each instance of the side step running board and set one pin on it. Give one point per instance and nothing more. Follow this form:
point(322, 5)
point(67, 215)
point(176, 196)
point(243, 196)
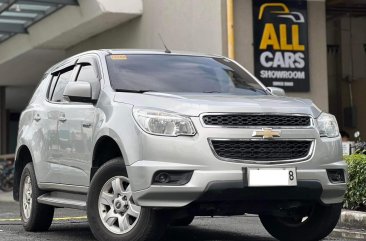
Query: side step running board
point(64, 200)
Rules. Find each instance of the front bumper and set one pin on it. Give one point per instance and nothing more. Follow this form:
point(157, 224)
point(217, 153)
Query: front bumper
point(229, 185)
point(157, 153)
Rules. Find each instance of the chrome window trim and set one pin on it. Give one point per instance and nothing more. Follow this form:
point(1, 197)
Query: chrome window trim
point(311, 126)
point(307, 157)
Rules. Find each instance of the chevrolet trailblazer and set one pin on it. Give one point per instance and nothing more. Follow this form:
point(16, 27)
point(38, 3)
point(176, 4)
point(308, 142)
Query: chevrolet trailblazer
point(144, 139)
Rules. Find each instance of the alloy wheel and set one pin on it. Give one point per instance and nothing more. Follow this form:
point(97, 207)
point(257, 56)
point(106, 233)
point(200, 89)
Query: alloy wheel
point(117, 210)
point(27, 197)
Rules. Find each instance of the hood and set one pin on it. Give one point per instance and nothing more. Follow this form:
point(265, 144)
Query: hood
point(193, 104)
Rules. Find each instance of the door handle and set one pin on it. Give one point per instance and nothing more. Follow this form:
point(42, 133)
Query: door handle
point(37, 117)
point(87, 125)
point(62, 118)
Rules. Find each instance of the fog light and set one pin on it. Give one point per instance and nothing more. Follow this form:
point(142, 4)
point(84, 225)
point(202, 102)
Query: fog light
point(336, 176)
point(172, 177)
point(162, 177)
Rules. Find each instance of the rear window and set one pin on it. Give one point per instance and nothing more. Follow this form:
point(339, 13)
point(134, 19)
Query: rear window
point(179, 73)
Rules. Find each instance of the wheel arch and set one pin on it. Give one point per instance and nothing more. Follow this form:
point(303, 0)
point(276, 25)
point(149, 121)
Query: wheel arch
point(22, 158)
point(105, 149)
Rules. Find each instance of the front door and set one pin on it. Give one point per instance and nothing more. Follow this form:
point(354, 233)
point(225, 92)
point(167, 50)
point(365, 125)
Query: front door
point(75, 131)
point(76, 128)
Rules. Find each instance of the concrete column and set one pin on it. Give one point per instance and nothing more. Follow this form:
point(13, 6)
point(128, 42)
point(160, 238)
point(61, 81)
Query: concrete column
point(317, 56)
point(3, 122)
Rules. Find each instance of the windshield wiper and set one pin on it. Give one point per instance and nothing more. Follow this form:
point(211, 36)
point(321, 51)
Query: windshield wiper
point(134, 91)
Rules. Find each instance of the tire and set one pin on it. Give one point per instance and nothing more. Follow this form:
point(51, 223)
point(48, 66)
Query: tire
point(186, 221)
point(36, 217)
point(111, 211)
point(319, 223)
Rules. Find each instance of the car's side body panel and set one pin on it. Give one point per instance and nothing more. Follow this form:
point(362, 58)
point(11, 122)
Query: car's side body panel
point(75, 138)
point(37, 132)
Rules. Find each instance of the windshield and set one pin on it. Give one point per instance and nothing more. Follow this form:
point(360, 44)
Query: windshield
point(179, 73)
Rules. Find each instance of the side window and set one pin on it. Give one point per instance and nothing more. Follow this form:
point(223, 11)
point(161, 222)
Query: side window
point(87, 74)
point(63, 79)
point(52, 86)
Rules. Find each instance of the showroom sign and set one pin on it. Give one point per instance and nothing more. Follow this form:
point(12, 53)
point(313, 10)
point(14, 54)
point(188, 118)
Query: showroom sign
point(281, 44)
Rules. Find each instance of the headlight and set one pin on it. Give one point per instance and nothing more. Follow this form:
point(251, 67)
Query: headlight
point(327, 125)
point(163, 123)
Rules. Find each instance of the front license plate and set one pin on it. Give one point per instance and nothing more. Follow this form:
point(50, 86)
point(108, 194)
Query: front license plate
point(271, 177)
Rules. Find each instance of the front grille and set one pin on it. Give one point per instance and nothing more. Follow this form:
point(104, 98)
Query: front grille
point(242, 120)
point(253, 150)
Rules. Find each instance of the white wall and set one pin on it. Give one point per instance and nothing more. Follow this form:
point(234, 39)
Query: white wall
point(184, 24)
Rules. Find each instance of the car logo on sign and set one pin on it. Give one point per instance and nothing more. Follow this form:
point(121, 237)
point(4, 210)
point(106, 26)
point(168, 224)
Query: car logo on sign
point(267, 133)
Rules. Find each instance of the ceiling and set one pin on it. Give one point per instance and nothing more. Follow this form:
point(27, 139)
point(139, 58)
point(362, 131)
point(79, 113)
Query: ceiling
point(17, 15)
point(356, 8)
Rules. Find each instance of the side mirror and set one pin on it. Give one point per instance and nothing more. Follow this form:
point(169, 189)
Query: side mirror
point(277, 91)
point(79, 91)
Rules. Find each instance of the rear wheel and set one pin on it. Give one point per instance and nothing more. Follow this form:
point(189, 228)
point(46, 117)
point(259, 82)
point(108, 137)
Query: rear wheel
point(36, 217)
point(112, 212)
point(318, 223)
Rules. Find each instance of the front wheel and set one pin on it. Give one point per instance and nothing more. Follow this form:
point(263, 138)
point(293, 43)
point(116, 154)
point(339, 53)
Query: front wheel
point(112, 213)
point(318, 223)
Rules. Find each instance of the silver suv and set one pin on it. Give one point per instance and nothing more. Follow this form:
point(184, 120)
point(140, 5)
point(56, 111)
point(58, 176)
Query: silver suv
point(145, 139)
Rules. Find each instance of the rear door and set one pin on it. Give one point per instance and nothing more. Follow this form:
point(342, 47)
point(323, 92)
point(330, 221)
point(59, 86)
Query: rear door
point(53, 119)
point(40, 126)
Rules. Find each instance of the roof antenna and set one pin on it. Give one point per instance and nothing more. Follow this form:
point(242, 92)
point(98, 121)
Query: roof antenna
point(166, 48)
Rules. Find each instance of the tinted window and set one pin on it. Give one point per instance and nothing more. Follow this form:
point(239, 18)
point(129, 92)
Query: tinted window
point(62, 81)
point(87, 74)
point(178, 73)
point(52, 86)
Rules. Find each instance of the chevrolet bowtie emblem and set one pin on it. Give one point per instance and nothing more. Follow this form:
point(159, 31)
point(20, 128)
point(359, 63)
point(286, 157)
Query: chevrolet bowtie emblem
point(267, 133)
